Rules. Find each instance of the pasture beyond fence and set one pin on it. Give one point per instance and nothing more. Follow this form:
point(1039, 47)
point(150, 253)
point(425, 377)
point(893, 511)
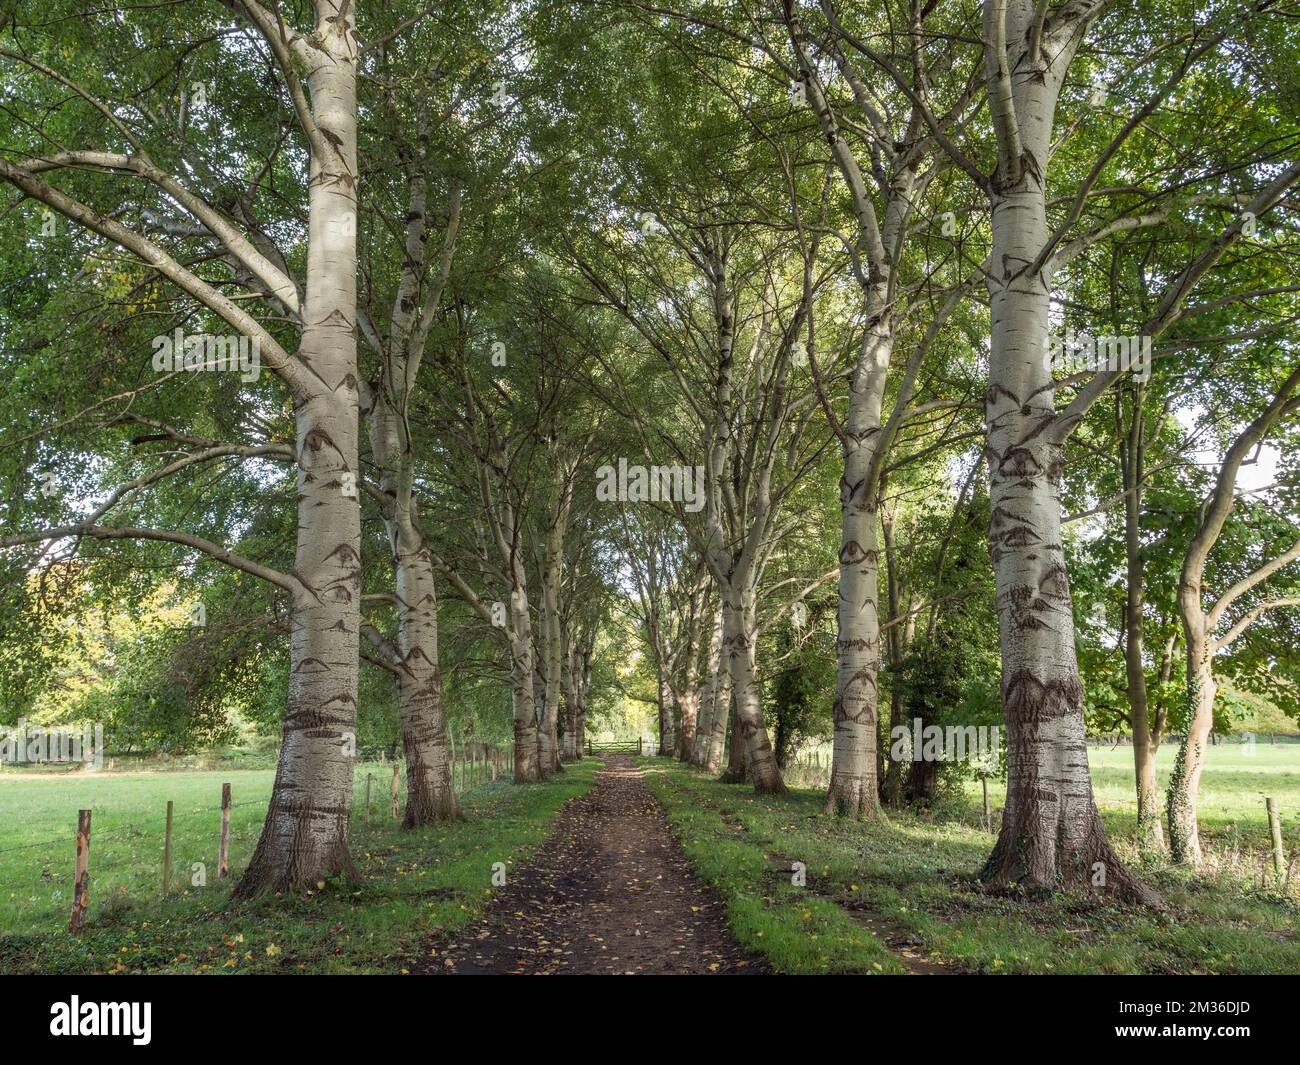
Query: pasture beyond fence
point(78, 851)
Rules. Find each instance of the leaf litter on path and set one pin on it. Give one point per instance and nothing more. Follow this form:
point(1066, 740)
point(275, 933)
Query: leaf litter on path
point(609, 892)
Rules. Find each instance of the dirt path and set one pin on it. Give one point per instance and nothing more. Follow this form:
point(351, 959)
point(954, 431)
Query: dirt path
point(609, 892)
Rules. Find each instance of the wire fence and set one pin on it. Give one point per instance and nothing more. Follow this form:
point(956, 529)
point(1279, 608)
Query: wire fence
point(129, 847)
point(1232, 739)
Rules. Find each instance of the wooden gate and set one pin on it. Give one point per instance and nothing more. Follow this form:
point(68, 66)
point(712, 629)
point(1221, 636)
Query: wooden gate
point(616, 747)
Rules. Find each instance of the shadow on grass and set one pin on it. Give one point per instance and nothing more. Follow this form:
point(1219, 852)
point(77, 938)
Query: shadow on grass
point(914, 879)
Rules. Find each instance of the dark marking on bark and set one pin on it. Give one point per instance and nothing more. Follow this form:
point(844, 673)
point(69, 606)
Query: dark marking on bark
point(1028, 699)
point(1019, 462)
point(853, 554)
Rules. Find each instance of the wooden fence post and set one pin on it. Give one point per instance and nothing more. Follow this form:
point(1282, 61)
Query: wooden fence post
point(370, 779)
point(167, 852)
point(81, 882)
point(1275, 826)
point(396, 770)
point(988, 814)
point(223, 852)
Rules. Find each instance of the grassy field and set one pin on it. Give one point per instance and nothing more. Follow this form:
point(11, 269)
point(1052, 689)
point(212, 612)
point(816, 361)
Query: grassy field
point(902, 896)
point(893, 898)
point(413, 883)
point(1237, 780)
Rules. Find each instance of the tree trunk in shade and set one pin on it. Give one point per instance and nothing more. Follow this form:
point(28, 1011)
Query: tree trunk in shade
point(710, 706)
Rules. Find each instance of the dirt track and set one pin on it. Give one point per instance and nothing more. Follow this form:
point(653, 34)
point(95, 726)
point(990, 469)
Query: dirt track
point(609, 892)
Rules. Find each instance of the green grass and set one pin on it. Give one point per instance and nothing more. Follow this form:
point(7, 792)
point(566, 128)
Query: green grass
point(412, 884)
point(1237, 780)
point(795, 930)
point(912, 880)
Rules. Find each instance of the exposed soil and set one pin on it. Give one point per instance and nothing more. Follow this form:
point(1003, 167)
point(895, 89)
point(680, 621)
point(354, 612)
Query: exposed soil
point(610, 892)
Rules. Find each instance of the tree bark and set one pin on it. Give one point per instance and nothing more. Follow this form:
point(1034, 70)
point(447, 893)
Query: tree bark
point(1150, 837)
point(688, 702)
point(305, 836)
point(891, 787)
point(528, 765)
point(855, 781)
point(570, 681)
point(430, 789)
point(737, 759)
point(740, 648)
point(688, 699)
point(1052, 835)
point(1199, 625)
point(722, 718)
point(667, 729)
point(855, 761)
point(431, 795)
point(1184, 784)
point(734, 574)
point(552, 574)
point(710, 707)
point(584, 686)
point(546, 697)
point(853, 785)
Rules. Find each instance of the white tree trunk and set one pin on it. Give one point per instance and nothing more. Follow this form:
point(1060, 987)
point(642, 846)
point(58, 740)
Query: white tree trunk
point(305, 836)
point(430, 790)
point(854, 784)
point(739, 646)
point(528, 766)
point(547, 692)
point(1051, 833)
point(853, 790)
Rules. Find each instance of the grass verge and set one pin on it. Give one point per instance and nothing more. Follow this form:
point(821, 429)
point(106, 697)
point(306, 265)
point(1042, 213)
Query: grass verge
point(412, 885)
point(902, 896)
point(792, 927)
